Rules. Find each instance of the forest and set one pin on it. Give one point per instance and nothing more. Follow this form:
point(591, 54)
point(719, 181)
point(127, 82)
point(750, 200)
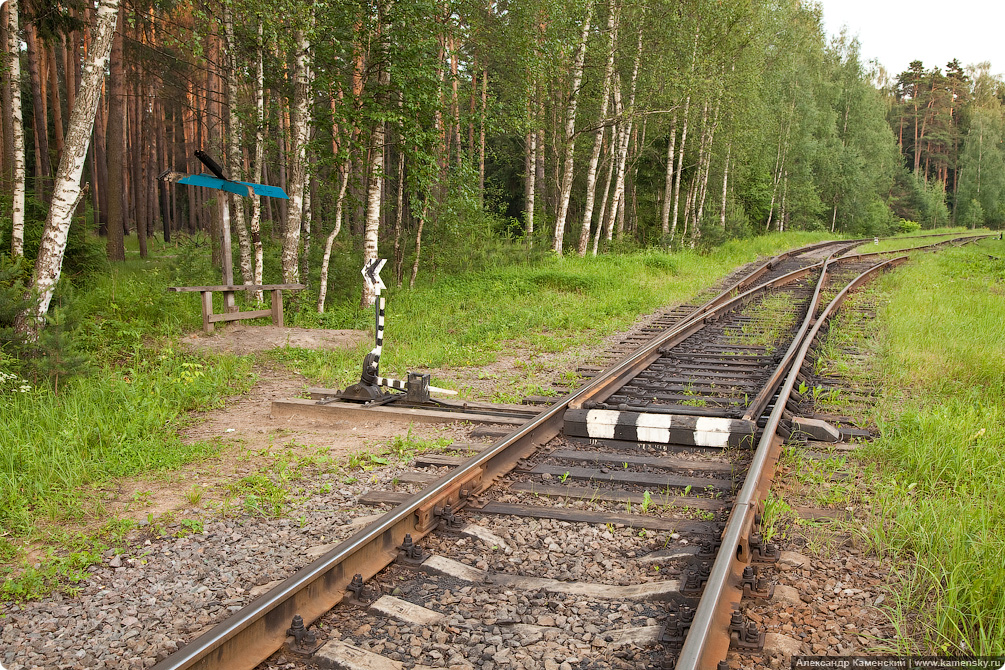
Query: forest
point(449, 134)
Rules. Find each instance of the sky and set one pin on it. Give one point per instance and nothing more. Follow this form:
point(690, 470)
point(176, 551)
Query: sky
point(895, 32)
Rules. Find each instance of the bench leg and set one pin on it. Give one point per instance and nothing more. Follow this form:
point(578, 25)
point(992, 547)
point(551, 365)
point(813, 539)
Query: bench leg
point(277, 307)
point(207, 310)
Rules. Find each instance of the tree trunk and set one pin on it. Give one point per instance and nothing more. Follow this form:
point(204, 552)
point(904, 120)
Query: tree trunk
point(785, 190)
point(569, 139)
point(99, 167)
point(398, 212)
point(139, 130)
point(607, 191)
point(305, 227)
point(481, 139)
point(67, 191)
point(373, 206)
point(598, 138)
point(530, 168)
point(6, 173)
point(325, 262)
point(665, 211)
point(235, 132)
point(783, 148)
point(418, 244)
point(299, 120)
point(256, 200)
point(455, 106)
point(12, 50)
point(725, 185)
point(683, 138)
point(54, 102)
point(163, 189)
point(705, 168)
point(619, 189)
point(43, 168)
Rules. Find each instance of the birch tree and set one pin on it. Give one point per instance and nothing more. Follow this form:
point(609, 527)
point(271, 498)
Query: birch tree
point(13, 50)
point(617, 208)
point(298, 177)
point(256, 200)
point(66, 192)
point(234, 133)
point(570, 133)
point(598, 139)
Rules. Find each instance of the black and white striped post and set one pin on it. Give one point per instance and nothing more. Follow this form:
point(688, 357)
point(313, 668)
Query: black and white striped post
point(368, 388)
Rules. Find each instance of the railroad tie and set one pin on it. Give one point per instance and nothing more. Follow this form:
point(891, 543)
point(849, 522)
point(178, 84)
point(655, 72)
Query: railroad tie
point(699, 431)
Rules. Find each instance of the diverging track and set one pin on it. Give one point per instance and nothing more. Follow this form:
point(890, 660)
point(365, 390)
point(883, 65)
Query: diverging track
point(617, 528)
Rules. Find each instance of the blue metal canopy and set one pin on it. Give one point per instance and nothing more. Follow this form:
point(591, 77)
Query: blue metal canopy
point(242, 188)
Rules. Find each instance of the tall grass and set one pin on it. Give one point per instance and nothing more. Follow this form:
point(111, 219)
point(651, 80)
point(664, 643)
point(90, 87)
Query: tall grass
point(548, 304)
point(119, 414)
point(941, 503)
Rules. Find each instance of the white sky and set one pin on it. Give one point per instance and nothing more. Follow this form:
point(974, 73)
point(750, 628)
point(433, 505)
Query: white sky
point(895, 32)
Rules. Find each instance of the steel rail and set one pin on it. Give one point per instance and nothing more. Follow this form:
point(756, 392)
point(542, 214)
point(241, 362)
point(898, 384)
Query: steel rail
point(252, 634)
point(734, 551)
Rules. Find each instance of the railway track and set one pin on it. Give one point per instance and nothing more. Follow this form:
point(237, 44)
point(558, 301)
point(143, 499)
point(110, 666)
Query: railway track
point(617, 527)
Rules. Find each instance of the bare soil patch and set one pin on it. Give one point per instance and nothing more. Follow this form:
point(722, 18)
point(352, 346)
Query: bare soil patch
point(241, 339)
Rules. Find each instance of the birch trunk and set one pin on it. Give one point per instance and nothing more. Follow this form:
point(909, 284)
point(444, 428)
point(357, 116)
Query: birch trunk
point(783, 149)
point(326, 261)
point(619, 189)
point(619, 109)
point(781, 214)
point(12, 50)
point(295, 209)
point(374, 195)
point(668, 187)
point(706, 170)
point(234, 162)
point(598, 138)
point(725, 185)
point(570, 133)
point(530, 166)
point(607, 193)
point(683, 139)
point(418, 244)
point(67, 192)
point(256, 200)
point(398, 214)
point(6, 174)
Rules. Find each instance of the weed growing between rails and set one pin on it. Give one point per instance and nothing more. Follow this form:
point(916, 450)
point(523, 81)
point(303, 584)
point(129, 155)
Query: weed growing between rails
point(939, 505)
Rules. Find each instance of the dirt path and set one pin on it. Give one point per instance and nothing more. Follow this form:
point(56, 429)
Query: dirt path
point(250, 438)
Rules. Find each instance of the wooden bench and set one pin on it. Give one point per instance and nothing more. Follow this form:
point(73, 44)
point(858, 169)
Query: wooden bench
point(231, 314)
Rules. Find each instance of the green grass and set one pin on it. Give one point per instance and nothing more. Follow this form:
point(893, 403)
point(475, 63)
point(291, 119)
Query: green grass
point(118, 413)
point(548, 305)
point(940, 504)
point(911, 240)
